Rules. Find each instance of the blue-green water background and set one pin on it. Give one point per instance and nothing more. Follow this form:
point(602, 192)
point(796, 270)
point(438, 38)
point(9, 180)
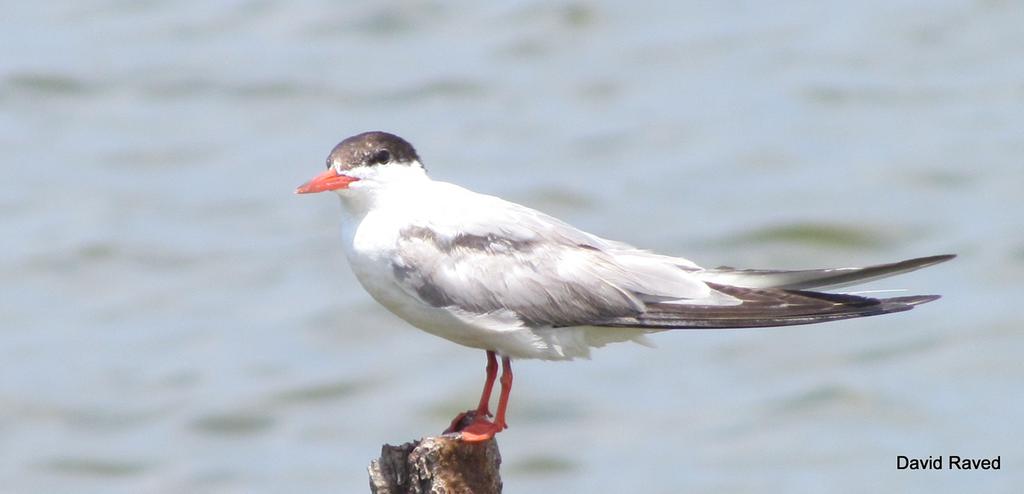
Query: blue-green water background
point(174, 319)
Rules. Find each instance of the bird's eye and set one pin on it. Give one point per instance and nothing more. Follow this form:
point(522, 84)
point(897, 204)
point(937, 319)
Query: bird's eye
point(381, 157)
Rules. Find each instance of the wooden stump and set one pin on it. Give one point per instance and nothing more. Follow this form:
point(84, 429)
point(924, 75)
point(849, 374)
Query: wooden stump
point(437, 465)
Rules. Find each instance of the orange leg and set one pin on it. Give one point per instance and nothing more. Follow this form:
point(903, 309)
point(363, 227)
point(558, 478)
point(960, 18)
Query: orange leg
point(483, 409)
point(482, 429)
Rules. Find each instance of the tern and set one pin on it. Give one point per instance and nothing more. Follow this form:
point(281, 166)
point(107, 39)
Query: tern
point(501, 277)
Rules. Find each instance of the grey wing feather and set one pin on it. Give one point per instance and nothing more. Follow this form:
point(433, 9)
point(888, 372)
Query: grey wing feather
point(816, 278)
point(544, 273)
point(488, 274)
point(766, 308)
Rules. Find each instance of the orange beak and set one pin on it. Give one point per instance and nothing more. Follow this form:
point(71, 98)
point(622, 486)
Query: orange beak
point(328, 180)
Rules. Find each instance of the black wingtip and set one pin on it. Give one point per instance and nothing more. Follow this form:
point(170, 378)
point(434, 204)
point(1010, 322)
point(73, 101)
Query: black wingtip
point(930, 260)
point(912, 300)
point(915, 263)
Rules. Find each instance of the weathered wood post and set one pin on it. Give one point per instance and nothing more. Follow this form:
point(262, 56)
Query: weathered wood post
point(438, 465)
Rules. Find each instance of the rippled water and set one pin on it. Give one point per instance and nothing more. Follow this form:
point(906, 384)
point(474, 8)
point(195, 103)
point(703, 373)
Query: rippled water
point(176, 320)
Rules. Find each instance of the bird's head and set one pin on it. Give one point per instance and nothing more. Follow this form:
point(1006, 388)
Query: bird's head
point(366, 160)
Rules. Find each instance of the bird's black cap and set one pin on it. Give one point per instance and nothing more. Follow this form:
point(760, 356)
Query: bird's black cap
point(370, 149)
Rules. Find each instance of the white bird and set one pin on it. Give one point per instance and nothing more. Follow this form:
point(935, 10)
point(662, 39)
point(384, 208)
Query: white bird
point(491, 274)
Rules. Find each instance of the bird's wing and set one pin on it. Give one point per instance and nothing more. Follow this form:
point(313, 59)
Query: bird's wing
point(765, 308)
point(515, 260)
point(496, 258)
point(815, 278)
